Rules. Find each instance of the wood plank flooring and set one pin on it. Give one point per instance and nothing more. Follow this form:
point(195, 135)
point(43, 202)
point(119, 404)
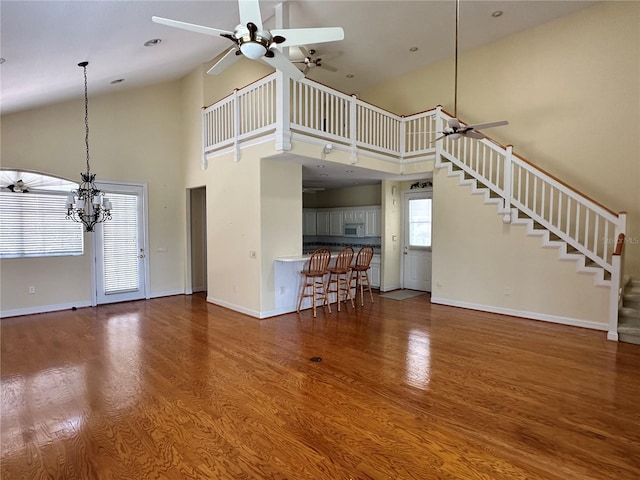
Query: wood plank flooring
point(176, 388)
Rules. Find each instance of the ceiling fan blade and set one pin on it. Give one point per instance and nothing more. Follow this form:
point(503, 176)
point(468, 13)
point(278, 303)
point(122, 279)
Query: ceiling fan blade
point(328, 67)
point(282, 63)
point(305, 53)
point(191, 27)
point(250, 13)
point(300, 36)
point(481, 126)
point(474, 134)
point(229, 58)
point(306, 69)
point(439, 138)
point(454, 123)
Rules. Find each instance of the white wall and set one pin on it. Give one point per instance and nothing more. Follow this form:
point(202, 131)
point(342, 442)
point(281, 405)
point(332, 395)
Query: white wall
point(135, 136)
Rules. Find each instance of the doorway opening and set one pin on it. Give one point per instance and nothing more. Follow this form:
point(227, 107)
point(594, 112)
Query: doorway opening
point(198, 238)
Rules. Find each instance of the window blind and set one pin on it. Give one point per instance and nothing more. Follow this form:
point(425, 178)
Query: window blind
point(120, 243)
point(34, 225)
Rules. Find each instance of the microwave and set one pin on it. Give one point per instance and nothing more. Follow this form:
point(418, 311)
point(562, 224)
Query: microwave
point(354, 230)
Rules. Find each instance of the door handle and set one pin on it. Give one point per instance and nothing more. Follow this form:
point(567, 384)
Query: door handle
point(406, 250)
point(142, 255)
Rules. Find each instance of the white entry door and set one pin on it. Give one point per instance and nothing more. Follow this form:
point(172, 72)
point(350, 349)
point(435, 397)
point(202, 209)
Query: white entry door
point(120, 254)
point(416, 265)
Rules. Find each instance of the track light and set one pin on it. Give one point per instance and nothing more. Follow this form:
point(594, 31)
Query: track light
point(328, 148)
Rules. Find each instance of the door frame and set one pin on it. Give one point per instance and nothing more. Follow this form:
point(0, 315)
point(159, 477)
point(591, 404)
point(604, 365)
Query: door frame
point(112, 186)
point(406, 196)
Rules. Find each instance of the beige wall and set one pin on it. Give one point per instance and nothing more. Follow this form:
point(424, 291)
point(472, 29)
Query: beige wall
point(358, 196)
point(476, 257)
point(136, 136)
point(567, 88)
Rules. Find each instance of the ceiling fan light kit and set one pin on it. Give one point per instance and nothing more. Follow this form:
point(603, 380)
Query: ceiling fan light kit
point(253, 41)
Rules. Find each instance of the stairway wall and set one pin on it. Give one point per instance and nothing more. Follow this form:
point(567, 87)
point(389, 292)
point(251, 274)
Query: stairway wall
point(476, 257)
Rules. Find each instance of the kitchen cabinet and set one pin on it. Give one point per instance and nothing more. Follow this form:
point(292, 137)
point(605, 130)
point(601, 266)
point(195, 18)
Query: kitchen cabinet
point(322, 223)
point(309, 221)
point(354, 215)
point(374, 271)
point(336, 223)
point(373, 219)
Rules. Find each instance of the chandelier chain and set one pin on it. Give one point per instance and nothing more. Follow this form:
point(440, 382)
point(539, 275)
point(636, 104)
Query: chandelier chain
point(86, 116)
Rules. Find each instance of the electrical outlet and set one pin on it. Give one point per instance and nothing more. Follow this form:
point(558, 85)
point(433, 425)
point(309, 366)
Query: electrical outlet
point(507, 291)
point(252, 254)
point(32, 289)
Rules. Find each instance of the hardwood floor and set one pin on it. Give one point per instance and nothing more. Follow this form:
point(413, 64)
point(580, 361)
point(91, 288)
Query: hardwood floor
point(175, 388)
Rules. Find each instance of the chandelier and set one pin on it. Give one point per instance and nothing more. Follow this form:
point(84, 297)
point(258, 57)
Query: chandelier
point(87, 204)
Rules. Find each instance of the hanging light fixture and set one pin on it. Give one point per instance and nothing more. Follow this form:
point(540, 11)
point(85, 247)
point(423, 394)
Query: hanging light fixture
point(87, 204)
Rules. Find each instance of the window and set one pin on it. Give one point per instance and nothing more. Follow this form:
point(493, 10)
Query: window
point(34, 224)
point(420, 222)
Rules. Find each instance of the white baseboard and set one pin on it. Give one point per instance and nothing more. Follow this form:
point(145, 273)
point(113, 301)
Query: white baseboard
point(574, 322)
point(43, 309)
point(236, 308)
point(389, 288)
point(168, 293)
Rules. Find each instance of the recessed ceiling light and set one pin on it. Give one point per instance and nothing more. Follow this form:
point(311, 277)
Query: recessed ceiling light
point(413, 49)
point(324, 174)
point(497, 13)
point(349, 75)
point(153, 42)
point(349, 171)
point(119, 80)
point(320, 166)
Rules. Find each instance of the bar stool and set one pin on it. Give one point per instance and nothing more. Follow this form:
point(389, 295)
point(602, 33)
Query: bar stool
point(339, 276)
point(360, 272)
point(314, 273)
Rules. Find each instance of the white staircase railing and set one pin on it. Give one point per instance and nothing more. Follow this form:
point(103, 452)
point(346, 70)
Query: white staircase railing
point(276, 105)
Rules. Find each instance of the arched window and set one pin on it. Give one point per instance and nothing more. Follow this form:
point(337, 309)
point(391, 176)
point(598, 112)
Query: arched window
point(33, 216)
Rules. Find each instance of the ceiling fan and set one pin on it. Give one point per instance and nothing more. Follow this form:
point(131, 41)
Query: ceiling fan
point(311, 61)
point(455, 129)
point(252, 40)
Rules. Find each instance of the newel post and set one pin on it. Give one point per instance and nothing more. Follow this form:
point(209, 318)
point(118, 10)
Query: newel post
point(439, 128)
point(508, 184)
point(236, 126)
point(283, 110)
point(205, 123)
point(353, 128)
point(403, 142)
point(617, 276)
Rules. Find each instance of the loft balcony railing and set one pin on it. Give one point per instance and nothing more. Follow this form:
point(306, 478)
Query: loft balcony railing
point(280, 109)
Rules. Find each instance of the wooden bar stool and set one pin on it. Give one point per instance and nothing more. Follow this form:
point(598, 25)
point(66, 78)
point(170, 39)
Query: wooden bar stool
point(314, 273)
point(339, 276)
point(360, 273)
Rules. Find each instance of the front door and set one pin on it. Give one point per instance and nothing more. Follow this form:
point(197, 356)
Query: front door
point(120, 255)
point(416, 265)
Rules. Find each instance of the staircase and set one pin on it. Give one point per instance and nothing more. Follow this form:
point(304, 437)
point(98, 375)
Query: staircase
point(629, 313)
point(580, 228)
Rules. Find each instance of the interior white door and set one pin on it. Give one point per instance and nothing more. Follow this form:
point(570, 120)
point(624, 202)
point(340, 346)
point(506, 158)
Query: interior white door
point(120, 255)
point(416, 264)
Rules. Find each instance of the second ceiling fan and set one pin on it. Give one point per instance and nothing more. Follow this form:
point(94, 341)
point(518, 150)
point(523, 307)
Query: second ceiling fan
point(455, 129)
point(252, 40)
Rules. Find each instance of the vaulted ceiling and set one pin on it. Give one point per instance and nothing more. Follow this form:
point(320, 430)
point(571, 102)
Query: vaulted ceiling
point(43, 41)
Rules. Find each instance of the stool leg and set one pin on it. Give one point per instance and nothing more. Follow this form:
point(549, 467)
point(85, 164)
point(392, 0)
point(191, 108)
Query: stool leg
point(369, 285)
point(302, 294)
point(348, 286)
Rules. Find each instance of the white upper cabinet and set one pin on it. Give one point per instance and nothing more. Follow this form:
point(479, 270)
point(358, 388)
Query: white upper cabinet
point(309, 221)
point(373, 219)
point(336, 223)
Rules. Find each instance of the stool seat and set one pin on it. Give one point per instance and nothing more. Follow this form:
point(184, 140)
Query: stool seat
point(361, 271)
point(340, 276)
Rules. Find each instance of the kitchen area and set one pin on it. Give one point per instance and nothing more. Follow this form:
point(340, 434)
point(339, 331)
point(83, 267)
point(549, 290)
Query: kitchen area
point(326, 224)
